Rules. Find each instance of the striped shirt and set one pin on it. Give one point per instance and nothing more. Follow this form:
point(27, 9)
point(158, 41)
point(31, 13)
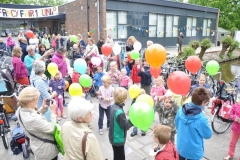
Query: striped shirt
point(115, 76)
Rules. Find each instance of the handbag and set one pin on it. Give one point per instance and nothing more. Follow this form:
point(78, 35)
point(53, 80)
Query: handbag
point(84, 141)
point(69, 79)
point(57, 137)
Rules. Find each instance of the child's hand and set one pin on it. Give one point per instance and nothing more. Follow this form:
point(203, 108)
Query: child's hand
point(142, 69)
point(126, 113)
point(237, 120)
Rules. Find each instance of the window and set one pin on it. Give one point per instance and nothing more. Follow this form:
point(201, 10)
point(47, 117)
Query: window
point(117, 24)
point(206, 27)
point(152, 25)
point(191, 26)
point(172, 26)
point(160, 26)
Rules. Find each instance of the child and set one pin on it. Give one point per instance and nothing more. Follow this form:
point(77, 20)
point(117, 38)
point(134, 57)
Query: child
point(58, 84)
point(161, 135)
point(75, 76)
point(167, 110)
point(201, 83)
point(98, 78)
point(235, 133)
point(105, 96)
point(158, 90)
point(135, 130)
point(118, 124)
point(87, 90)
point(125, 81)
point(146, 77)
point(125, 66)
point(114, 73)
point(135, 69)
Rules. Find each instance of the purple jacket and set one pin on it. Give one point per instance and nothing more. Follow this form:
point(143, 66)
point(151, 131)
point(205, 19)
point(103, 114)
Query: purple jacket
point(55, 83)
point(62, 65)
point(20, 70)
point(10, 42)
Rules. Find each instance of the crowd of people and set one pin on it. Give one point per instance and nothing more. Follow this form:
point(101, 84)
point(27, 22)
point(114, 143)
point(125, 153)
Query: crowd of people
point(179, 116)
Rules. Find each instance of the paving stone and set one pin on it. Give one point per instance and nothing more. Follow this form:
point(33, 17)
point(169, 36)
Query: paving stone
point(135, 144)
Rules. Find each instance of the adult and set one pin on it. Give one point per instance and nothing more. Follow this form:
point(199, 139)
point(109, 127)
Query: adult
point(42, 49)
point(10, 43)
point(91, 49)
point(45, 41)
point(20, 70)
point(60, 59)
point(33, 122)
point(82, 44)
point(32, 56)
point(53, 41)
point(20, 35)
point(191, 123)
point(39, 81)
point(73, 131)
point(69, 45)
point(100, 43)
point(109, 39)
point(149, 43)
point(129, 47)
point(23, 45)
point(59, 42)
point(38, 37)
point(180, 41)
point(34, 41)
point(3, 46)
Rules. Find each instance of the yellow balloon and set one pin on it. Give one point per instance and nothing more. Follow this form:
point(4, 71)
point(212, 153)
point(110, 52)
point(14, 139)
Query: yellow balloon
point(134, 91)
point(52, 68)
point(75, 89)
point(145, 98)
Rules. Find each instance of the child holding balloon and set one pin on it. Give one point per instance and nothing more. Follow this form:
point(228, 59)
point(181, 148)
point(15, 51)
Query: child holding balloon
point(158, 89)
point(146, 77)
point(58, 85)
point(135, 69)
point(125, 81)
point(114, 73)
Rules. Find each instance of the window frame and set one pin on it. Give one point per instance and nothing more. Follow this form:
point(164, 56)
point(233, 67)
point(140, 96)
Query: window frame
point(192, 28)
point(207, 30)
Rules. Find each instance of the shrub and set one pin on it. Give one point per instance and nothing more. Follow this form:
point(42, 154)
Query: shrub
point(205, 44)
point(194, 44)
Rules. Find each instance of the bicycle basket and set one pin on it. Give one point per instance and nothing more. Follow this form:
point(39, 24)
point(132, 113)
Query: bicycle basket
point(225, 110)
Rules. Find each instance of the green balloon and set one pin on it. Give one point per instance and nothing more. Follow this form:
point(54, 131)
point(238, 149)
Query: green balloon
point(85, 80)
point(212, 67)
point(141, 115)
point(74, 39)
point(134, 55)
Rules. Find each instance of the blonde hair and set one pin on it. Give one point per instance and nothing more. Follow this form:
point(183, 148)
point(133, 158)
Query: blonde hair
point(79, 35)
point(133, 39)
point(142, 91)
point(17, 51)
point(160, 78)
point(27, 95)
point(201, 76)
point(59, 73)
point(162, 133)
point(106, 78)
point(120, 95)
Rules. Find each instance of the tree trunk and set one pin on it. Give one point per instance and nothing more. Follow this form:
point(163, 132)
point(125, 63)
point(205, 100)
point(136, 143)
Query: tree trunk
point(203, 49)
point(195, 46)
point(231, 49)
point(224, 48)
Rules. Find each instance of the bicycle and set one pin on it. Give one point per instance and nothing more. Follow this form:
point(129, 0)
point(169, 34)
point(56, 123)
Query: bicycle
point(4, 123)
point(235, 83)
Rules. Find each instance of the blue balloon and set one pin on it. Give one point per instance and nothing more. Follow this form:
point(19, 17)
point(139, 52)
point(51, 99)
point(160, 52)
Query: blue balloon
point(80, 65)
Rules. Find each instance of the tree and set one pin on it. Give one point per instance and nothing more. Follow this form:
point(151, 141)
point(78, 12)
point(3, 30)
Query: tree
point(205, 44)
point(36, 2)
point(226, 42)
point(229, 11)
point(233, 46)
point(187, 51)
point(194, 44)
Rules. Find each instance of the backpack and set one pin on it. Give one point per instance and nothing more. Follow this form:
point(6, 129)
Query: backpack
point(17, 133)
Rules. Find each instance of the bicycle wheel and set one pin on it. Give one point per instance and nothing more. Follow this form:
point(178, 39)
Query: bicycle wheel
point(5, 138)
point(25, 151)
point(220, 125)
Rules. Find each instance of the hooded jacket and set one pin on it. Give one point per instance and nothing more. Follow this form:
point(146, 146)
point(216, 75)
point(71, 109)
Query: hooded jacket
point(134, 76)
point(146, 77)
point(192, 127)
point(20, 70)
point(62, 65)
point(168, 152)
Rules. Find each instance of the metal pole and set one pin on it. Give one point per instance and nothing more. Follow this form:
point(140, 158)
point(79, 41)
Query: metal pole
point(98, 10)
point(88, 16)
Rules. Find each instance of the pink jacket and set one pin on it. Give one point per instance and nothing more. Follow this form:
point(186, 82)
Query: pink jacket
point(114, 76)
point(125, 81)
point(20, 70)
point(10, 42)
point(235, 113)
point(157, 91)
point(62, 65)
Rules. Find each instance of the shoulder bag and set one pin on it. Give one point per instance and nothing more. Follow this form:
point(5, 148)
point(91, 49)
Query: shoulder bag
point(84, 141)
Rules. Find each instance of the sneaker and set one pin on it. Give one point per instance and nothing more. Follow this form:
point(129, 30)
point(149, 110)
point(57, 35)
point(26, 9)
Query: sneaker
point(59, 118)
point(100, 131)
point(65, 105)
point(143, 134)
point(63, 116)
point(227, 158)
point(133, 134)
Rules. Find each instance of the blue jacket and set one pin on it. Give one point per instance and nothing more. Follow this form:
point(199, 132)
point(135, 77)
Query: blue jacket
point(82, 44)
point(55, 84)
point(192, 127)
point(24, 50)
point(127, 69)
point(146, 77)
point(98, 79)
point(28, 60)
point(3, 46)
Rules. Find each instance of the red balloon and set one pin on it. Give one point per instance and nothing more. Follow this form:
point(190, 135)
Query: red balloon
point(179, 82)
point(106, 49)
point(129, 57)
point(30, 34)
point(155, 71)
point(193, 64)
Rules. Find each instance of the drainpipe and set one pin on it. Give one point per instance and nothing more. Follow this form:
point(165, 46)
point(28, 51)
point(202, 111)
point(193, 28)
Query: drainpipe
point(98, 10)
point(216, 33)
point(88, 17)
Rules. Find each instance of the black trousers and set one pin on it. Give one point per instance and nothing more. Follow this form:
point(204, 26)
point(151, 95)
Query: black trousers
point(56, 158)
point(118, 153)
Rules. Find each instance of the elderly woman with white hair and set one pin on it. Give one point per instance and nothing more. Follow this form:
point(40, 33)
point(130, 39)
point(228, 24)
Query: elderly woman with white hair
point(39, 81)
point(75, 131)
point(36, 126)
point(32, 56)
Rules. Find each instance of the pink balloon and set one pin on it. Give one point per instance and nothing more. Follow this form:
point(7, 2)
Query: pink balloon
point(96, 61)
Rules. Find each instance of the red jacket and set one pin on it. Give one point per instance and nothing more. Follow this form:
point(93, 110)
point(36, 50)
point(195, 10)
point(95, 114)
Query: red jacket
point(169, 152)
point(134, 76)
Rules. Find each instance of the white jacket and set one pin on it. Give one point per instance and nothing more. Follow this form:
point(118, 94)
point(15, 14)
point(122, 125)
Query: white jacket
point(91, 50)
point(36, 124)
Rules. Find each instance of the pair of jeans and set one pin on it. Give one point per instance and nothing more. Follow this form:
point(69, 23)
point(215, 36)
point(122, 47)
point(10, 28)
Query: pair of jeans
point(101, 116)
point(118, 152)
point(9, 49)
point(135, 130)
point(233, 141)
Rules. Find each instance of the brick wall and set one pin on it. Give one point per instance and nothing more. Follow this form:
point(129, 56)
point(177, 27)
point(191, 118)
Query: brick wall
point(76, 17)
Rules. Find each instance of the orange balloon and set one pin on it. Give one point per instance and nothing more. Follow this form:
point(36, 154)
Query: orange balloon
point(156, 55)
point(67, 85)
